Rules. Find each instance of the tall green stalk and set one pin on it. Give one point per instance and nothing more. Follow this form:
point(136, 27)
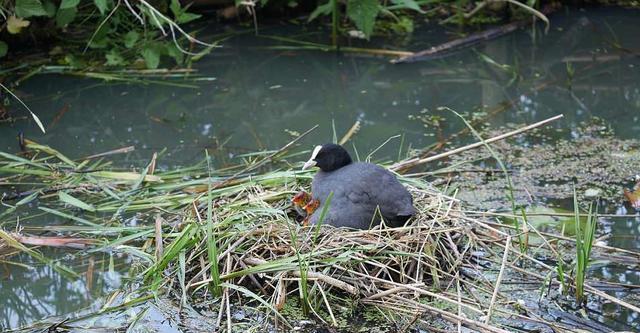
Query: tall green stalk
point(584, 242)
point(303, 267)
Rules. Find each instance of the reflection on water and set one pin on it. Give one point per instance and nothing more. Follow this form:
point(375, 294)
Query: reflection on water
point(623, 233)
point(244, 98)
point(38, 291)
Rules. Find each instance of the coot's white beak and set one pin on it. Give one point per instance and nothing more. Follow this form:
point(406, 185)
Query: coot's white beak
point(312, 160)
point(308, 164)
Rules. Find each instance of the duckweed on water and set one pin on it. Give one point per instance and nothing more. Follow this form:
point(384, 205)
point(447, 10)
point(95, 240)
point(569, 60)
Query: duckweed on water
point(594, 160)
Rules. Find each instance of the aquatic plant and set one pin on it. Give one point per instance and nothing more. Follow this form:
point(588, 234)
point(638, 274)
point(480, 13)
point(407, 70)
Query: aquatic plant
point(584, 244)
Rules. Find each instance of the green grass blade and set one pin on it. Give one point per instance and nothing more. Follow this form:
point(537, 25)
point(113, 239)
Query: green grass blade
point(68, 199)
point(68, 216)
point(172, 251)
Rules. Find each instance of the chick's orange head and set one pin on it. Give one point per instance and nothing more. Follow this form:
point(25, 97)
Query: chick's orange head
point(301, 198)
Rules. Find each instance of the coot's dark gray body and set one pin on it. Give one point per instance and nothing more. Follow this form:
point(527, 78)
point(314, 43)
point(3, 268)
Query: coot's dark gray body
point(358, 189)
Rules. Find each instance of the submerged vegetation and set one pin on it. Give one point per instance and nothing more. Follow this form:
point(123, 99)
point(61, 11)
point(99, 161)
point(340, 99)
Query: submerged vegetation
point(225, 241)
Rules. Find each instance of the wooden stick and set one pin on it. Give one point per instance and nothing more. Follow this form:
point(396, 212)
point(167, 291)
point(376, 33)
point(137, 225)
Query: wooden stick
point(510, 215)
point(311, 275)
point(447, 48)
point(328, 280)
point(417, 161)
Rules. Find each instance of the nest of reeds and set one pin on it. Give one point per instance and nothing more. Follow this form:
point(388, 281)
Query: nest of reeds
point(263, 252)
point(445, 268)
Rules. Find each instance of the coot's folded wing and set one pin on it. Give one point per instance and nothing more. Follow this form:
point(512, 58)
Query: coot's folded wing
point(358, 190)
point(385, 191)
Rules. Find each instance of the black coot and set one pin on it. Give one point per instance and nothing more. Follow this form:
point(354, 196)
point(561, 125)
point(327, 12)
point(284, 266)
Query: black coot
point(361, 191)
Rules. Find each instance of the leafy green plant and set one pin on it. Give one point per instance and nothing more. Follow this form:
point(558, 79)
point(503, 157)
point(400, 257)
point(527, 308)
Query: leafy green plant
point(137, 34)
point(363, 13)
point(116, 31)
point(584, 242)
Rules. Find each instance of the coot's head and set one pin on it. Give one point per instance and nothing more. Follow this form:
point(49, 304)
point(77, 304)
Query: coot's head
point(328, 157)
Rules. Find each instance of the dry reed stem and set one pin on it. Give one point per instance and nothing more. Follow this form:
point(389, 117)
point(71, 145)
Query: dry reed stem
point(404, 165)
point(158, 233)
point(505, 258)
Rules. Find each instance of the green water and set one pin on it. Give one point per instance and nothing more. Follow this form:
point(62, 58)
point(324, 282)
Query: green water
point(245, 97)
